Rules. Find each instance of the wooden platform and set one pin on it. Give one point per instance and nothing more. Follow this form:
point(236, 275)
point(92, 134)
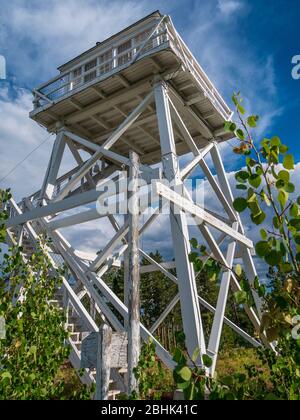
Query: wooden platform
point(93, 109)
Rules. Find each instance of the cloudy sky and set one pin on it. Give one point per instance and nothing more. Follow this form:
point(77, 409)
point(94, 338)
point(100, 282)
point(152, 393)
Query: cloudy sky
point(244, 45)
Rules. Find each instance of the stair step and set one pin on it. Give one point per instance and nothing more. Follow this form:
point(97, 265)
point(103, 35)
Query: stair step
point(70, 328)
point(75, 336)
point(77, 344)
point(112, 394)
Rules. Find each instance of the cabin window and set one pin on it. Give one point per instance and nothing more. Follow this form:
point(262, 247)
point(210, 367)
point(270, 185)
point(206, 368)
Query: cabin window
point(105, 68)
point(91, 64)
point(141, 37)
point(90, 76)
point(105, 57)
point(77, 72)
point(123, 59)
point(124, 47)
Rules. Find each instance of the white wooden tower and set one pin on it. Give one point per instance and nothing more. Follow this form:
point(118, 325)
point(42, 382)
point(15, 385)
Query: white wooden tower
point(140, 92)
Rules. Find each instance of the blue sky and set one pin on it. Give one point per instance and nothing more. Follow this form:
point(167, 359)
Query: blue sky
point(244, 45)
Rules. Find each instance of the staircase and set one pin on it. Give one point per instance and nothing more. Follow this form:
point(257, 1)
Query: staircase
point(79, 322)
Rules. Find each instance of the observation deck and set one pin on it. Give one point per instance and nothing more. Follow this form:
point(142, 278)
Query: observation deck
point(97, 90)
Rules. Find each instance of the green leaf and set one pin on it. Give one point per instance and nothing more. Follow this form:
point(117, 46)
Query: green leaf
point(261, 291)
point(240, 134)
point(283, 198)
point(193, 256)
point(289, 188)
point(195, 355)
point(178, 356)
point(252, 121)
point(295, 223)
point(288, 162)
point(250, 162)
point(240, 204)
point(254, 206)
point(285, 267)
point(207, 361)
point(264, 234)
point(280, 184)
point(235, 99)
point(284, 175)
point(275, 141)
point(255, 180)
point(238, 270)
point(241, 109)
point(283, 149)
point(229, 126)
point(262, 248)
point(241, 297)
point(6, 375)
point(194, 243)
point(273, 258)
point(185, 373)
point(241, 187)
point(276, 222)
point(242, 176)
point(265, 198)
point(256, 283)
point(259, 218)
point(294, 210)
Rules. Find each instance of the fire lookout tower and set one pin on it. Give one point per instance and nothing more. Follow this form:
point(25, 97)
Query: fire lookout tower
point(140, 93)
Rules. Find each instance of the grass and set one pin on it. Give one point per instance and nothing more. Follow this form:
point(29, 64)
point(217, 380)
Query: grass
point(230, 361)
point(234, 360)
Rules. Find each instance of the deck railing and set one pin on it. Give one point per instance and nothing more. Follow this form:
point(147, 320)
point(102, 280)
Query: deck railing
point(105, 61)
point(111, 58)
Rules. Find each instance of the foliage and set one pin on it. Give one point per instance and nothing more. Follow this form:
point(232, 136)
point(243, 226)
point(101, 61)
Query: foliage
point(150, 374)
point(34, 345)
point(267, 191)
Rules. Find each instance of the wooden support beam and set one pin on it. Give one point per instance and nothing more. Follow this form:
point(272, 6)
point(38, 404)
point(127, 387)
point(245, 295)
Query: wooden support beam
point(102, 257)
point(80, 161)
point(53, 167)
point(103, 362)
point(134, 338)
point(190, 309)
point(186, 171)
point(107, 145)
point(200, 214)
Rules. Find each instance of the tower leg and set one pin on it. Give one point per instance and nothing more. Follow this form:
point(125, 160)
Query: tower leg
point(53, 167)
point(249, 266)
point(134, 339)
point(190, 308)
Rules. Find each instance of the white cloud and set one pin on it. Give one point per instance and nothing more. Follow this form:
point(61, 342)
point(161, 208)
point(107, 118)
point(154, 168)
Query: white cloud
point(18, 136)
point(36, 37)
point(231, 63)
point(229, 7)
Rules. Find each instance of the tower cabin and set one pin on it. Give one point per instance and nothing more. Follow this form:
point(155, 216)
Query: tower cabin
point(97, 90)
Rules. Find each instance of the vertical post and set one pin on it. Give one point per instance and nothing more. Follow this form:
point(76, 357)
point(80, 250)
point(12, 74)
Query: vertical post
point(216, 331)
point(190, 308)
point(126, 261)
point(103, 363)
point(133, 274)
